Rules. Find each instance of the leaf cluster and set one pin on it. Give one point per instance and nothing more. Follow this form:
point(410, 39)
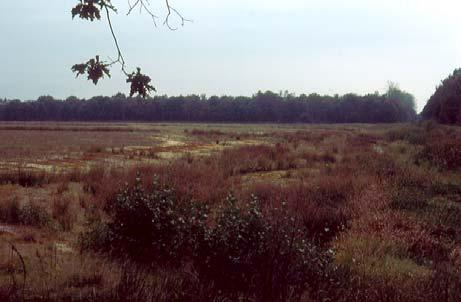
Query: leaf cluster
point(139, 83)
point(94, 68)
point(91, 9)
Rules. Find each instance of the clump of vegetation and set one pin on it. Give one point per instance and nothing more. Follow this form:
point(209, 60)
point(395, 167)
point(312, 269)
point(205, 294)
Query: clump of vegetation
point(260, 158)
point(29, 214)
point(34, 215)
point(444, 105)
point(414, 135)
point(444, 153)
point(26, 178)
point(269, 258)
point(240, 251)
point(150, 227)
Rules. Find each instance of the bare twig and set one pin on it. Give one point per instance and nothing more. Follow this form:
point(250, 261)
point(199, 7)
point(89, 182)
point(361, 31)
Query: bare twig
point(177, 13)
point(143, 4)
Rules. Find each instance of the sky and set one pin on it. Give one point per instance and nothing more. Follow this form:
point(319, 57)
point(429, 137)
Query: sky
point(235, 47)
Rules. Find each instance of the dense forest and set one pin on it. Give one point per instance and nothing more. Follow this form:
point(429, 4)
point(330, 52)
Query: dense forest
point(445, 104)
point(393, 106)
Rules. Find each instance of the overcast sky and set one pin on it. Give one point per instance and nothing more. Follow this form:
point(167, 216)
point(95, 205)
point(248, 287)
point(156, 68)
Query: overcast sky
point(236, 47)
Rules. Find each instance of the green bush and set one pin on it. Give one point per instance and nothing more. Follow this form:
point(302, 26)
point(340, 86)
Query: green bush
point(241, 252)
point(149, 227)
point(269, 259)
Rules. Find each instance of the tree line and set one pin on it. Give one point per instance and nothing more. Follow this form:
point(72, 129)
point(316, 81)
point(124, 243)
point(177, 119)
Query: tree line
point(393, 106)
point(444, 105)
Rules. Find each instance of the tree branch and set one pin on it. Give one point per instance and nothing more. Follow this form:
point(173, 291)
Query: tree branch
point(142, 5)
point(120, 58)
point(176, 12)
point(96, 69)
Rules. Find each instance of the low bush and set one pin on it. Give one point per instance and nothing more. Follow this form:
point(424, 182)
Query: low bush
point(444, 153)
point(34, 215)
point(267, 257)
point(30, 214)
point(240, 250)
point(149, 227)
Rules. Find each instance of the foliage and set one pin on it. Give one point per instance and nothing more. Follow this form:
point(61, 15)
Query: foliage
point(151, 227)
point(91, 9)
point(261, 107)
point(269, 258)
point(444, 153)
point(445, 104)
point(93, 68)
point(34, 215)
point(140, 84)
point(30, 214)
point(240, 252)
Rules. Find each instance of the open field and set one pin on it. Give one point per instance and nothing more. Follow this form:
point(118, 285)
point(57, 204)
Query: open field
point(351, 212)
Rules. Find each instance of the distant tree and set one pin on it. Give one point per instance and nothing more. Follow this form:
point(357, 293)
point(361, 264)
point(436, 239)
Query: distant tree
point(72, 99)
point(402, 99)
point(445, 104)
point(261, 107)
point(94, 68)
point(45, 98)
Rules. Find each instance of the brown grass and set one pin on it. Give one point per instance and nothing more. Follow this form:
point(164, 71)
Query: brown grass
point(383, 200)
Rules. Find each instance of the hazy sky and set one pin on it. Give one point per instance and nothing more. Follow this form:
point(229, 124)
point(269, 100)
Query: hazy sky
point(236, 47)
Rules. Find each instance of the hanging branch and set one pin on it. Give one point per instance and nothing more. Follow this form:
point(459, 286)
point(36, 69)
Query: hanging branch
point(95, 69)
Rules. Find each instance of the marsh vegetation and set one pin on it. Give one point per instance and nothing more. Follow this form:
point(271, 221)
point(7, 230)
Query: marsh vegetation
point(197, 212)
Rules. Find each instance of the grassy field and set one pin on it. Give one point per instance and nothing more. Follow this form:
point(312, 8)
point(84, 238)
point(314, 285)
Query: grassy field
point(340, 212)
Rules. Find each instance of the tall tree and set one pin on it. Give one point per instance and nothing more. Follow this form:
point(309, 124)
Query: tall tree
point(445, 104)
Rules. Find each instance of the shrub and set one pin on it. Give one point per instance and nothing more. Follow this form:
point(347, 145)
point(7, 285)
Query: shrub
point(29, 214)
point(445, 153)
point(321, 204)
point(34, 215)
point(268, 259)
point(241, 252)
point(150, 227)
